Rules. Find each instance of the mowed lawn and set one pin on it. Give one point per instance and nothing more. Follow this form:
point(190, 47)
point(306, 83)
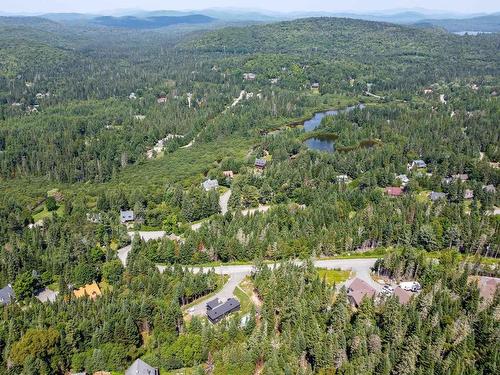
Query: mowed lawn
point(333, 276)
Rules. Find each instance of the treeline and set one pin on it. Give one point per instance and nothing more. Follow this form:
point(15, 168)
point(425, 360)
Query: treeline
point(105, 334)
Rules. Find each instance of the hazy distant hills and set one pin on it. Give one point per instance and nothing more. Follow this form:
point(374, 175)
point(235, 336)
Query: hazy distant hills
point(140, 19)
point(131, 22)
point(489, 23)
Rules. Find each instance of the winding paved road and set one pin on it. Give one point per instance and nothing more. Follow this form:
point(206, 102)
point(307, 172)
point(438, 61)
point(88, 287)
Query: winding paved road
point(236, 273)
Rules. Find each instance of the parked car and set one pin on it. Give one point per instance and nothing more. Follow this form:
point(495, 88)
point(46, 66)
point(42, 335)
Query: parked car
point(387, 289)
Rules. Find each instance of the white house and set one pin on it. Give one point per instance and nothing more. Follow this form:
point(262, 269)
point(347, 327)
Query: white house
point(210, 185)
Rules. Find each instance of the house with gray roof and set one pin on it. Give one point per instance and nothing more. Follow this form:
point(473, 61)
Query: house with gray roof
point(260, 163)
point(127, 216)
point(47, 295)
point(213, 304)
point(6, 295)
point(139, 367)
point(435, 196)
point(490, 189)
point(218, 313)
point(210, 185)
point(418, 164)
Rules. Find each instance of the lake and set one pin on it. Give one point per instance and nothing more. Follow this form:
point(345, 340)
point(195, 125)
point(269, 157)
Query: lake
point(324, 143)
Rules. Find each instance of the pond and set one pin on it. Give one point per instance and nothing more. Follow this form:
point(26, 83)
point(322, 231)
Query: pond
point(321, 143)
point(324, 143)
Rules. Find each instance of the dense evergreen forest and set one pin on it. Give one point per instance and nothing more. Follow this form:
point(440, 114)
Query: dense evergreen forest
point(97, 120)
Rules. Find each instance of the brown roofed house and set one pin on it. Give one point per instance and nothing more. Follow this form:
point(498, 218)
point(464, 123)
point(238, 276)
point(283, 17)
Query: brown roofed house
point(402, 295)
point(394, 191)
point(90, 290)
point(358, 290)
point(488, 287)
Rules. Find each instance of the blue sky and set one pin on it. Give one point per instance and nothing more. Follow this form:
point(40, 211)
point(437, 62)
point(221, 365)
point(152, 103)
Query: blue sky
point(36, 6)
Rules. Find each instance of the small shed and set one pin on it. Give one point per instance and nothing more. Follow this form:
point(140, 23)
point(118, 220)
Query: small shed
point(260, 164)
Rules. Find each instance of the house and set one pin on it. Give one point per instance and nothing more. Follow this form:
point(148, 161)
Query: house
point(418, 164)
point(219, 312)
point(89, 290)
point(127, 216)
point(47, 295)
point(403, 178)
point(358, 290)
point(6, 295)
point(228, 174)
point(249, 76)
point(488, 287)
point(213, 304)
point(260, 164)
point(460, 176)
point(402, 295)
point(210, 185)
point(490, 189)
point(468, 194)
point(36, 224)
point(315, 86)
point(343, 179)
point(139, 367)
point(435, 196)
point(394, 191)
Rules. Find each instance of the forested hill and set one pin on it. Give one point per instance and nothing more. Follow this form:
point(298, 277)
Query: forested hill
point(342, 37)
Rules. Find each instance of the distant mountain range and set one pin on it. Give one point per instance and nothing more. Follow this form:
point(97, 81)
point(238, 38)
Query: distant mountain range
point(131, 22)
point(489, 23)
point(140, 19)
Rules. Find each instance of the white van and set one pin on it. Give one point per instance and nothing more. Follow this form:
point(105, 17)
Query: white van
point(411, 286)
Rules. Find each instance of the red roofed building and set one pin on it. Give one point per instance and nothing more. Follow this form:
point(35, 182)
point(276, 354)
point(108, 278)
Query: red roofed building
point(358, 290)
point(394, 191)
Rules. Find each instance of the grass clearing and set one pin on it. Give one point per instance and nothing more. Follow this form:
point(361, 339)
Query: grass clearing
point(333, 276)
point(44, 214)
point(245, 302)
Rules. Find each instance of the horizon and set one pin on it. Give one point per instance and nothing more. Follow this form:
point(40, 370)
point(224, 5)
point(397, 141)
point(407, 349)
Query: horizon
point(33, 7)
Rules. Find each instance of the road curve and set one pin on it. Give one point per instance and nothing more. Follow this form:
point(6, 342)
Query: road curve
point(361, 268)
